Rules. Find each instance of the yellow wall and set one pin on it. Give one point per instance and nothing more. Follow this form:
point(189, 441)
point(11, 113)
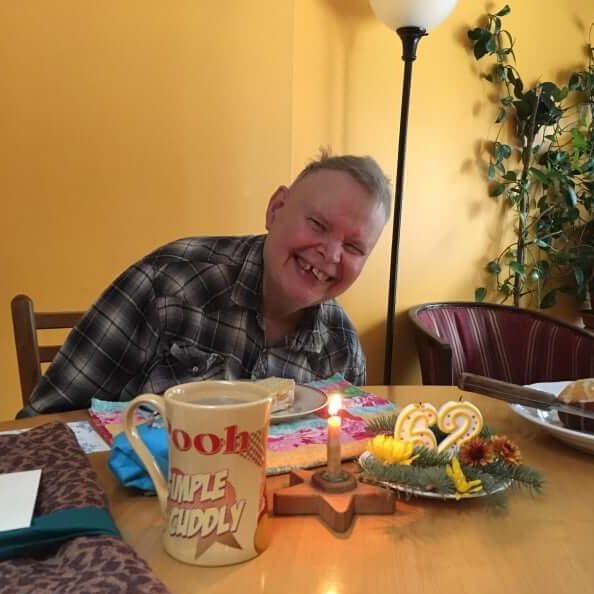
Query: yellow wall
point(126, 125)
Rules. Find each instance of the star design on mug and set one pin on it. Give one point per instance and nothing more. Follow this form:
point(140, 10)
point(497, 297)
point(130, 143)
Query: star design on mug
point(204, 544)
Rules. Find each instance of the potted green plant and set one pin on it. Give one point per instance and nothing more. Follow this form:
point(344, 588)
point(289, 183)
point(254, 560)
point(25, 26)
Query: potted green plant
point(545, 172)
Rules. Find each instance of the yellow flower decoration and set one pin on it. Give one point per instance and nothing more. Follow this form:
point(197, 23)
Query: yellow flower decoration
point(464, 487)
point(390, 450)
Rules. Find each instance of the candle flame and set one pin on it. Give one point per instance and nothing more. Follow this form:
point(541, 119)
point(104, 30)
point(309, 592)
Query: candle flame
point(334, 404)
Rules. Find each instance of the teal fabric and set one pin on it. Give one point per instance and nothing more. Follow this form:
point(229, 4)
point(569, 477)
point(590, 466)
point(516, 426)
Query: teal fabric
point(55, 528)
point(126, 465)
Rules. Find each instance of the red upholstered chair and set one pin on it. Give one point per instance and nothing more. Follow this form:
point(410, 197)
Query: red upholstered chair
point(498, 341)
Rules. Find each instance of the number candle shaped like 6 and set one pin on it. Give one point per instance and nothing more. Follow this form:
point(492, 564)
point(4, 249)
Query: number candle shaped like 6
point(413, 424)
point(461, 420)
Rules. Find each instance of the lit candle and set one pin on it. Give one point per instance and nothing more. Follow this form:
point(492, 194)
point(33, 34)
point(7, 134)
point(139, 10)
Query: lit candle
point(334, 468)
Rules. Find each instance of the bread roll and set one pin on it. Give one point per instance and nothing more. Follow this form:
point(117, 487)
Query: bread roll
point(579, 391)
point(580, 394)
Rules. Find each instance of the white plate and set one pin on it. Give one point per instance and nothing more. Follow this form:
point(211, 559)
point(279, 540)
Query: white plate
point(549, 420)
point(307, 401)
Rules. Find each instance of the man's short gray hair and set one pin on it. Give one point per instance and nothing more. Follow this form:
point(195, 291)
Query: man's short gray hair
point(364, 170)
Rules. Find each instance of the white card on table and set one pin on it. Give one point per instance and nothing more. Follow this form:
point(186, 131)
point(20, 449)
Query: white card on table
point(18, 492)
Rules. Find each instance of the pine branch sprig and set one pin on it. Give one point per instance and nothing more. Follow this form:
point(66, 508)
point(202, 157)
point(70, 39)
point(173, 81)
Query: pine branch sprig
point(486, 432)
point(427, 457)
point(429, 478)
point(382, 424)
point(520, 474)
point(491, 484)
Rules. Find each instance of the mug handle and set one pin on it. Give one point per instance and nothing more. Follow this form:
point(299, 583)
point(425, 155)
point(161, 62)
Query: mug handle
point(140, 448)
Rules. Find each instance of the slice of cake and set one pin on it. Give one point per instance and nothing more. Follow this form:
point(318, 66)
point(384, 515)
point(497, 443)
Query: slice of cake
point(282, 391)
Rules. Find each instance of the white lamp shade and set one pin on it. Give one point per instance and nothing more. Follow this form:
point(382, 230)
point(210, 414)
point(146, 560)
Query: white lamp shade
point(425, 14)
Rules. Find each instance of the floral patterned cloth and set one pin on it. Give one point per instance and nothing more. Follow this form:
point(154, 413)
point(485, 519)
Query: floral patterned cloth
point(297, 444)
point(302, 443)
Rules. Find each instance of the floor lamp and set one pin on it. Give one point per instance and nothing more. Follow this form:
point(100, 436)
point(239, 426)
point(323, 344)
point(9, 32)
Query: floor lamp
point(411, 19)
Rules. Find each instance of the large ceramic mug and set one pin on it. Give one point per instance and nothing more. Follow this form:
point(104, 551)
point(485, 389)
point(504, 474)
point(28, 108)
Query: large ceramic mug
point(214, 501)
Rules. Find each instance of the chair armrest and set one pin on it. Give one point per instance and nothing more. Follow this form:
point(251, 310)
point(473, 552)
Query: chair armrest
point(435, 354)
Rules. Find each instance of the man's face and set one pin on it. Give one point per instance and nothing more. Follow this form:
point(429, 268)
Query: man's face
point(320, 232)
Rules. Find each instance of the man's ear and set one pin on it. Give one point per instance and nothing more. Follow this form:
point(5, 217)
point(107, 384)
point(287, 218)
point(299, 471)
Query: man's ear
point(277, 200)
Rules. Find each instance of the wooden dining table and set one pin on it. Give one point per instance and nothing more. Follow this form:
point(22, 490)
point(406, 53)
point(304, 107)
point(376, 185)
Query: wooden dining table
point(540, 544)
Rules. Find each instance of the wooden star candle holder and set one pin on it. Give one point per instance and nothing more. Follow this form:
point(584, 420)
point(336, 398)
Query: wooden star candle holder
point(336, 500)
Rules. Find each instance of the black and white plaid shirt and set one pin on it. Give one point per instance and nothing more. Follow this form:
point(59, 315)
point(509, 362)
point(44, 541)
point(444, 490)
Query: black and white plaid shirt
point(191, 310)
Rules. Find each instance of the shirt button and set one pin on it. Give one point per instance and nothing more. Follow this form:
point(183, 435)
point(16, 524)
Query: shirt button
point(195, 370)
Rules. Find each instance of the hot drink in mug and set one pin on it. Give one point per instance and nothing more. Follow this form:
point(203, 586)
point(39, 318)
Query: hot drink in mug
point(214, 500)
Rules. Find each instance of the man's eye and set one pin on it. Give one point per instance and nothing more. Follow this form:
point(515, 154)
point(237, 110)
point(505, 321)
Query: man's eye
point(353, 249)
point(316, 224)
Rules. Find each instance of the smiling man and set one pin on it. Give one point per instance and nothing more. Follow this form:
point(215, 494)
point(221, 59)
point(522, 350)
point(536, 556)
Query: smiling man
point(233, 307)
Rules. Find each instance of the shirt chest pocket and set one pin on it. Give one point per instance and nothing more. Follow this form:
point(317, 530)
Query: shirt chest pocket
point(189, 360)
point(182, 348)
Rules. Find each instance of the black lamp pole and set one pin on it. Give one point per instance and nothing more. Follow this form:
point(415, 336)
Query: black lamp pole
point(410, 37)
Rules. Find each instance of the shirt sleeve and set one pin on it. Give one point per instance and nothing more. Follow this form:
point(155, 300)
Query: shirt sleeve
point(111, 345)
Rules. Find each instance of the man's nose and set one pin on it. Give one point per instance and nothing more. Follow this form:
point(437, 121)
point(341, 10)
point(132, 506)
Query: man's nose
point(333, 251)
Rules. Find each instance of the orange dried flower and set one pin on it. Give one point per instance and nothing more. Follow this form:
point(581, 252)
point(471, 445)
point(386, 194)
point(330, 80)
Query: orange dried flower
point(476, 452)
point(506, 449)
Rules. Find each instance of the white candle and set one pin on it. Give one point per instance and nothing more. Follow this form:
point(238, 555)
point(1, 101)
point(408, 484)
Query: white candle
point(414, 422)
point(334, 468)
point(461, 420)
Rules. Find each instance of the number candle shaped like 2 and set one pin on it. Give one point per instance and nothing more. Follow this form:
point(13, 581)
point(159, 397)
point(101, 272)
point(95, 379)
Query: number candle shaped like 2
point(413, 424)
point(461, 420)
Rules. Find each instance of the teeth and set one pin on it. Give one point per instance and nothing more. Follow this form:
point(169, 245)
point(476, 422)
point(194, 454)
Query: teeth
point(321, 276)
point(303, 264)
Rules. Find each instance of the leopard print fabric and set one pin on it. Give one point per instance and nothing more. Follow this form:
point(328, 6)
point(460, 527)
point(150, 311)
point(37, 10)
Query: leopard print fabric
point(83, 565)
point(89, 564)
point(67, 479)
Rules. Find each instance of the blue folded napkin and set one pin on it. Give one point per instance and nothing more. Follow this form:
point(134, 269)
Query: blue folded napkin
point(126, 465)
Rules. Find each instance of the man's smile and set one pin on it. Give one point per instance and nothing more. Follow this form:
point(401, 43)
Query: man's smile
point(307, 267)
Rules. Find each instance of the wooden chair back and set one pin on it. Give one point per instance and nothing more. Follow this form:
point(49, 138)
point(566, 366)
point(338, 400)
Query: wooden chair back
point(26, 323)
